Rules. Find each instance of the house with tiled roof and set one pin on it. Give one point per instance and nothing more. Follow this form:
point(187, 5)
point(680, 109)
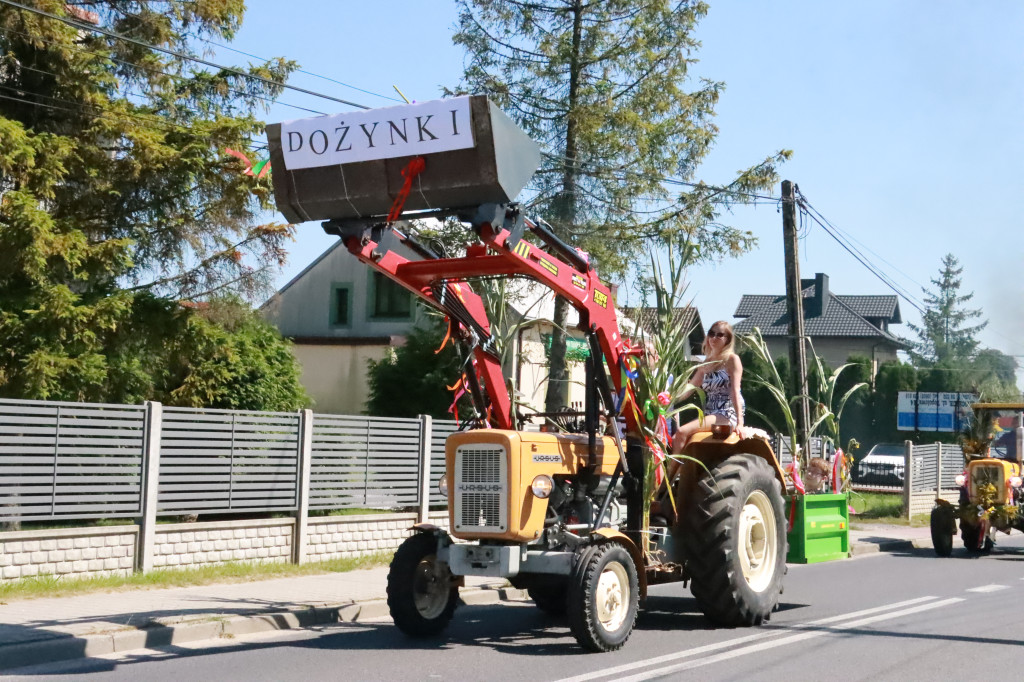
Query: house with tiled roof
point(838, 325)
point(683, 317)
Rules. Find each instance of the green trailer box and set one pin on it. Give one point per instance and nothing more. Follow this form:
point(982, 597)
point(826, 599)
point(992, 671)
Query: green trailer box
point(821, 528)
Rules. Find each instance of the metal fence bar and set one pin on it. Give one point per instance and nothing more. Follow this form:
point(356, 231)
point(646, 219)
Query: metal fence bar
point(63, 460)
point(56, 451)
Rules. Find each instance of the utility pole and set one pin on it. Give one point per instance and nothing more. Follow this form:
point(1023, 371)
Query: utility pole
point(795, 308)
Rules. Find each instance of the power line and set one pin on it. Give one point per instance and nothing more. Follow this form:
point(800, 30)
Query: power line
point(834, 231)
point(151, 69)
point(174, 53)
point(308, 73)
point(857, 255)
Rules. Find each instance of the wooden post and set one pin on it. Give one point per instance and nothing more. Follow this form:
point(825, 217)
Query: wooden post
point(908, 468)
point(795, 309)
point(300, 538)
point(426, 436)
point(146, 549)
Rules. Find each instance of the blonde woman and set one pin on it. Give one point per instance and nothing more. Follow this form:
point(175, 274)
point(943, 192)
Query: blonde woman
point(719, 377)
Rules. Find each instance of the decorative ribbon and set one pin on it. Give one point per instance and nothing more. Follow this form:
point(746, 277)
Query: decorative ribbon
point(447, 336)
point(460, 390)
point(411, 170)
point(659, 459)
point(794, 471)
point(837, 471)
point(257, 171)
point(630, 367)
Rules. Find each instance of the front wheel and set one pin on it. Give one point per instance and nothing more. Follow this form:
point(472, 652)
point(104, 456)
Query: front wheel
point(976, 538)
point(604, 597)
point(422, 593)
point(735, 542)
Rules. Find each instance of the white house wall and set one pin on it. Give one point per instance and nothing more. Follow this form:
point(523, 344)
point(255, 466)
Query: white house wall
point(836, 352)
point(336, 376)
point(303, 307)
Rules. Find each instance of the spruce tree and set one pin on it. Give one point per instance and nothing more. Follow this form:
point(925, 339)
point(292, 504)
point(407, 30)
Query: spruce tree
point(117, 198)
point(945, 335)
point(605, 87)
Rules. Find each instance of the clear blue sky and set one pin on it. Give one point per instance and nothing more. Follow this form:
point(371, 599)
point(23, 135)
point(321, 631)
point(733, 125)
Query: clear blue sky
point(905, 119)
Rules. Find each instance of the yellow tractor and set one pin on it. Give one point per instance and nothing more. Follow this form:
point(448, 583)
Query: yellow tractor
point(566, 515)
point(991, 493)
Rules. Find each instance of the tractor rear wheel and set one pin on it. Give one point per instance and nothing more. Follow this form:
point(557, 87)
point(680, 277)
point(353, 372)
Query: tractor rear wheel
point(735, 542)
point(422, 594)
point(943, 527)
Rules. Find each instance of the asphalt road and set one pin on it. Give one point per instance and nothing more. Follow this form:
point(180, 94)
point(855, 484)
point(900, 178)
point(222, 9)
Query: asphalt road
point(904, 616)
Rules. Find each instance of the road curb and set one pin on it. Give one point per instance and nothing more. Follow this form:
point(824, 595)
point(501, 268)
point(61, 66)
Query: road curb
point(157, 634)
point(861, 548)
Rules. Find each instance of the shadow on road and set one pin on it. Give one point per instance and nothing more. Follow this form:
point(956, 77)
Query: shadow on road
point(516, 628)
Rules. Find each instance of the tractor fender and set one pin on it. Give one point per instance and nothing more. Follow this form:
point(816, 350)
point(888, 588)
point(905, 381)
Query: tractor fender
point(612, 535)
point(710, 450)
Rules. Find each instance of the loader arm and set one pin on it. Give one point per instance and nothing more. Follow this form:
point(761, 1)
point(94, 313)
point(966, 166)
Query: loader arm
point(441, 283)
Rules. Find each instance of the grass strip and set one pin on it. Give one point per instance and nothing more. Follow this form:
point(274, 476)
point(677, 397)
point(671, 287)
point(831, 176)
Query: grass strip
point(40, 586)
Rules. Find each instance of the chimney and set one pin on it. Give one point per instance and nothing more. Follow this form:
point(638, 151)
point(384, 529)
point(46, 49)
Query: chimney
point(819, 305)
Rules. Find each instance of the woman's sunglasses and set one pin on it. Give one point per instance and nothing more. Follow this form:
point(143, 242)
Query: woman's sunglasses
point(720, 335)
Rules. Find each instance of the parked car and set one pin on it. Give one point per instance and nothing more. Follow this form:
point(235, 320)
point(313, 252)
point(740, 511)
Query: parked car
point(882, 466)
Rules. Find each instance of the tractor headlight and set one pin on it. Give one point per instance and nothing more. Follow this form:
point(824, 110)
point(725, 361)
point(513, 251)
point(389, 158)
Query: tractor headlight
point(961, 480)
point(1016, 481)
point(542, 486)
point(442, 485)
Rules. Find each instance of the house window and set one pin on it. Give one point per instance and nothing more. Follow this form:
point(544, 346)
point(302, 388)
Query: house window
point(340, 296)
point(390, 300)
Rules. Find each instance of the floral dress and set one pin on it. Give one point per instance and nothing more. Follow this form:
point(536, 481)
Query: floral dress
point(718, 388)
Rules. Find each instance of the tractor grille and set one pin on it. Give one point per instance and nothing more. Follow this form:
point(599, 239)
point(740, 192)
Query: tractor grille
point(983, 475)
point(481, 488)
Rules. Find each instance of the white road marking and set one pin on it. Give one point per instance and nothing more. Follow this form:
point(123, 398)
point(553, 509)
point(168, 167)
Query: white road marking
point(738, 640)
point(990, 588)
point(784, 641)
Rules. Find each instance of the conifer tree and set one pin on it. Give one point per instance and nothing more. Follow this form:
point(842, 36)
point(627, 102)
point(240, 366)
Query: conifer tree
point(117, 198)
point(605, 87)
point(945, 335)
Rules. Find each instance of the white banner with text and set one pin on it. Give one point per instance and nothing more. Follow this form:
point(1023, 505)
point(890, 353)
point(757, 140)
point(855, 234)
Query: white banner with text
point(406, 130)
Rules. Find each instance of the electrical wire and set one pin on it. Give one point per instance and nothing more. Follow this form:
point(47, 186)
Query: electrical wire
point(79, 108)
point(836, 234)
point(151, 69)
point(861, 258)
point(82, 26)
point(308, 73)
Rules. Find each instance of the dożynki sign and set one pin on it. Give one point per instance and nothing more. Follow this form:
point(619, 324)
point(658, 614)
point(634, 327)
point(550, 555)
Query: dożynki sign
point(930, 411)
point(406, 130)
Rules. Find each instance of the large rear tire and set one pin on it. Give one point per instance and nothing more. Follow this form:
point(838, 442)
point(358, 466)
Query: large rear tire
point(604, 597)
point(735, 542)
point(943, 526)
point(422, 594)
